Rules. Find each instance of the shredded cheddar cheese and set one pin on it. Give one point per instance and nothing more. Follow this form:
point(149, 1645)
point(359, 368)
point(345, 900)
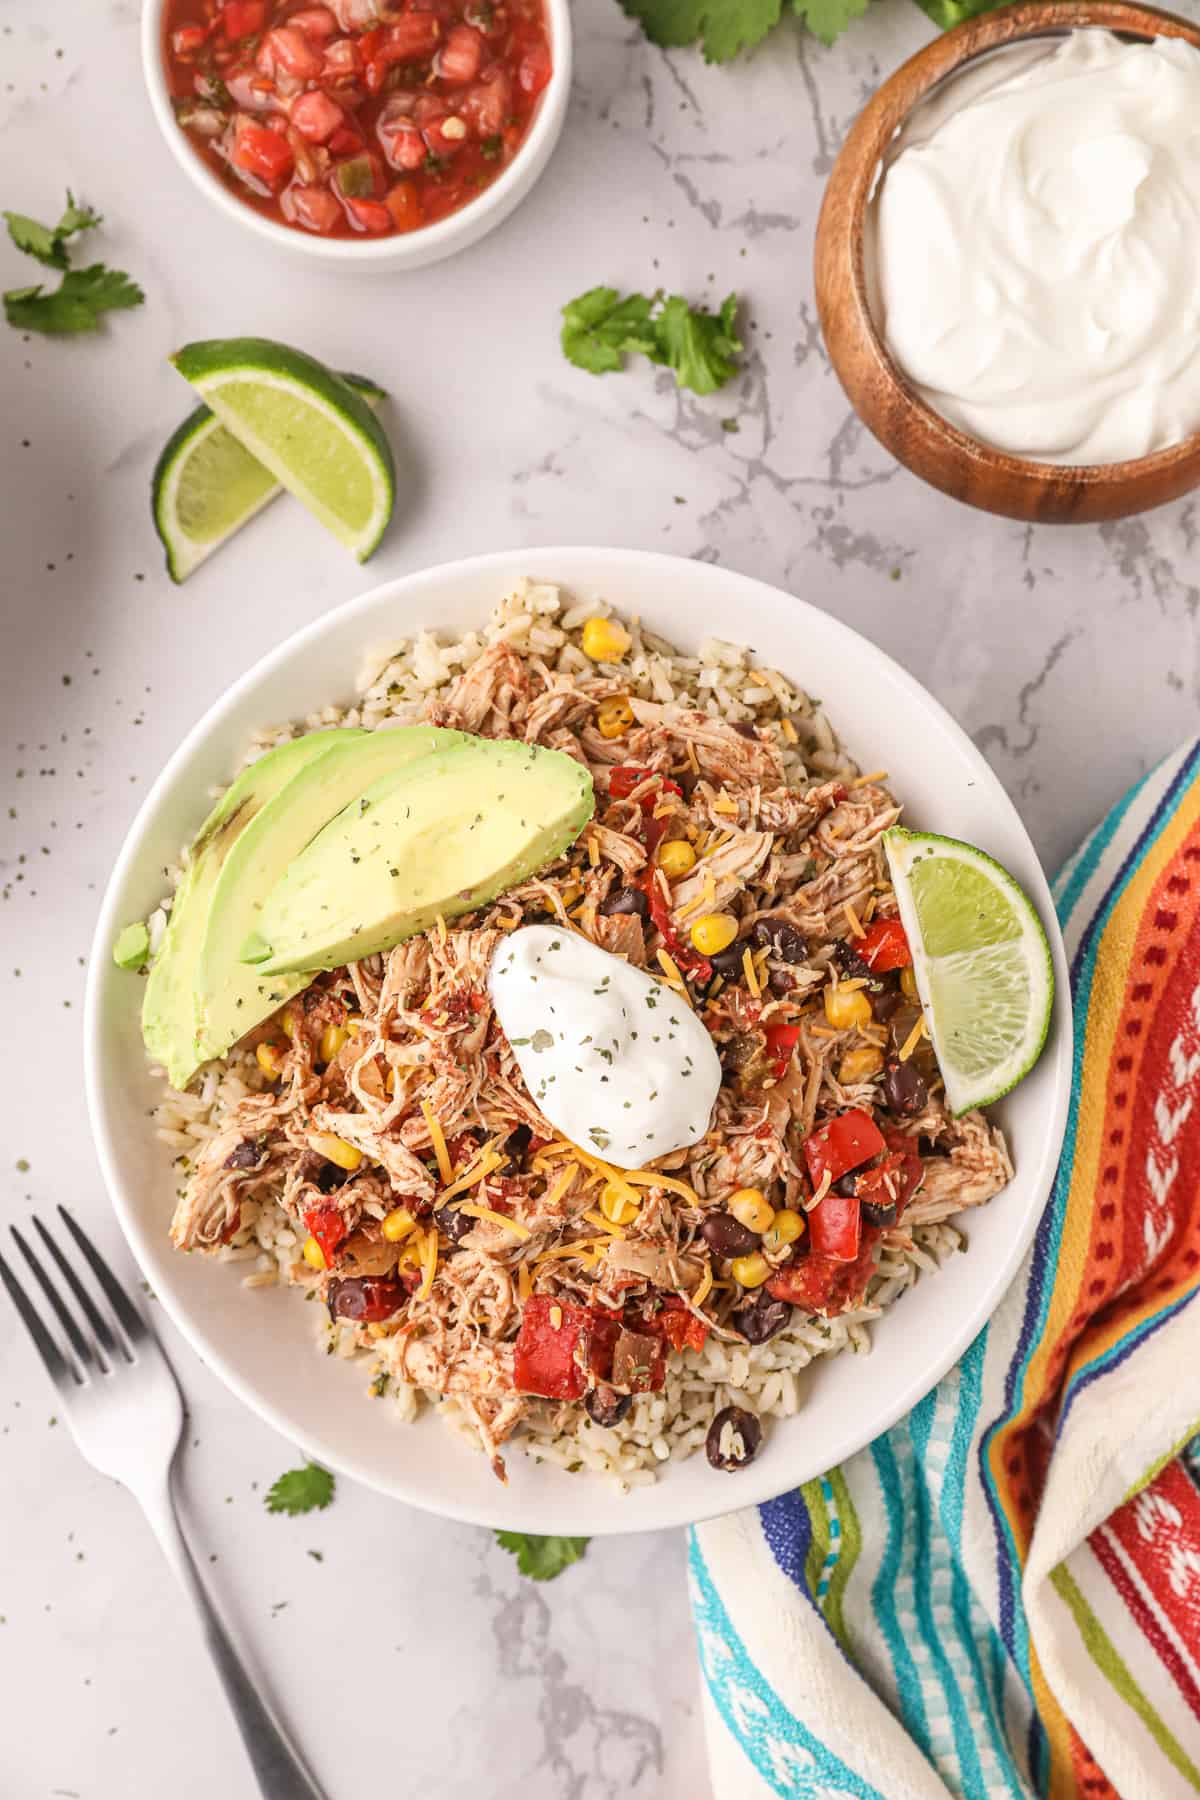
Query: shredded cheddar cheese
point(702, 1292)
point(789, 731)
point(429, 1262)
point(437, 1138)
point(751, 974)
point(852, 920)
point(524, 1282)
point(602, 1224)
point(693, 759)
point(479, 1171)
point(593, 850)
point(562, 1182)
point(726, 805)
point(556, 1317)
point(866, 780)
point(494, 1218)
point(441, 929)
point(669, 968)
point(913, 1039)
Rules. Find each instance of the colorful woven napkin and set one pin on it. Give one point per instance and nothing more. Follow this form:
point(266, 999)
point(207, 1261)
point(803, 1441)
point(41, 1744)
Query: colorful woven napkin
point(1001, 1596)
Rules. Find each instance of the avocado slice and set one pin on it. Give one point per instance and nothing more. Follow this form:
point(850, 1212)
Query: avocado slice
point(231, 996)
point(169, 1020)
point(438, 837)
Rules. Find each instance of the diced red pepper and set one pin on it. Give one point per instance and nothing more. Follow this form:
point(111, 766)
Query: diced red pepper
point(781, 1041)
point(187, 40)
point(835, 1227)
point(885, 946)
point(242, 18)
point(550, 1348)
point(684, 957)
point(626, 776)
point(328, 1227)
point(847, 1142)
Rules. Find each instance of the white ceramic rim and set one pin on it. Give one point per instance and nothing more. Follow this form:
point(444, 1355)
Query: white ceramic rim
point(411, 249)
point(599, 1512)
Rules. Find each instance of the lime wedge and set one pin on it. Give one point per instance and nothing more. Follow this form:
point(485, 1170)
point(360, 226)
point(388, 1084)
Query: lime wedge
point(206, 485)
point(305, 425)
point(981, 961)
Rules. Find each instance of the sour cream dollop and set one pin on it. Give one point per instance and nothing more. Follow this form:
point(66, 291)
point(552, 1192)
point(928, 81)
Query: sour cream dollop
point(617, 1061)
point(1034, 248)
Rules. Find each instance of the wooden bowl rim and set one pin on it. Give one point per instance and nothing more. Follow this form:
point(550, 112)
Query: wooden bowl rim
point(858, 161)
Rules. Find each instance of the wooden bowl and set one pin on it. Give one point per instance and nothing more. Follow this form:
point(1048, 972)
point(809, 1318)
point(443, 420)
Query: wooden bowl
point(1049, 493)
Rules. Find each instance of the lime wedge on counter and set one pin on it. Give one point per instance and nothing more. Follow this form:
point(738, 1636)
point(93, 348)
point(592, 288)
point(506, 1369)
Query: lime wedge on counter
point(206, 485)
point(981, 961)
point(305, 425)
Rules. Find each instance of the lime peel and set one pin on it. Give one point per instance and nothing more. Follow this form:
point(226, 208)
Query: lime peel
point(981, 961)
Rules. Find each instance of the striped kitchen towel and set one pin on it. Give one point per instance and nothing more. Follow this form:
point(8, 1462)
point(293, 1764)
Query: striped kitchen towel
point(1001, 1596)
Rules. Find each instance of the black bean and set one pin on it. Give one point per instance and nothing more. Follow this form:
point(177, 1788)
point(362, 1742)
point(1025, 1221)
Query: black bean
point(248, 1155)
point(367, 1298)
point(747, 731)
point(329, 1177)
point(605, 1406)
point(882, 1216)
point(727, 1235)
point(904, 1090)
point(517, 1143)
point(761, 1317)
point(734, 1438)
point(780, 982)
point(887, 998)
point(729, 962)
point(846, 1185)
point(626, 900)
point(782, 939)
point(454, 1222)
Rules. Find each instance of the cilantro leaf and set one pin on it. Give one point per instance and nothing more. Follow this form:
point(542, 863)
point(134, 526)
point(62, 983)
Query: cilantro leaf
point(49, 243)
point(600, 330)
point(726, 27)
point(701, 347)
point(301, 1490)
point(946, 13)
point(542, 1558)
point(826, 19)
point(75, 305)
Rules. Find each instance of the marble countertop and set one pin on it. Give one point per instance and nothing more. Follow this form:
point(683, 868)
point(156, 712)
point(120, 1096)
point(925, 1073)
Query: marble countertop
point(1070, 655)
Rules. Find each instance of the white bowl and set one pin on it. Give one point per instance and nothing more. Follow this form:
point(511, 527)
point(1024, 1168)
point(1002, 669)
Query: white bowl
point(261, 1343)
point(406, 250)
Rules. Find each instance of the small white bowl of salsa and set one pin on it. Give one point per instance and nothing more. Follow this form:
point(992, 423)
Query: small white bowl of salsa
point(371, 133)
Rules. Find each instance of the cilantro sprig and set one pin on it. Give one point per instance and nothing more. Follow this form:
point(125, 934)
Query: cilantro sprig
point(600, 328)
point(83, 295)
point(726, 27)
point(302, 1490)
point(542, 1558)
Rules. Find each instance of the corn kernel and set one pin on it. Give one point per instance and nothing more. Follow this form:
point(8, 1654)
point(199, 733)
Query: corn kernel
point(908, 985)
point(604, 640)
point(676, 858)
point(618, 1203)
point(786, 1227)
point(751, 1208)
point(714, 933)
point(354, 1024)
point(860, 1065)
point(269, 1059)
point(336, 1150)
point(313, 1254)
point(287, 1024)
point(845, 1008)
point(750, 1271)
point(332, 1039)
point(614, 717)
point(398, 1224)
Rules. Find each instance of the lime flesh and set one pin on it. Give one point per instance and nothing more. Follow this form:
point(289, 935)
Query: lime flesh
point(307, 427)
point(981, 961)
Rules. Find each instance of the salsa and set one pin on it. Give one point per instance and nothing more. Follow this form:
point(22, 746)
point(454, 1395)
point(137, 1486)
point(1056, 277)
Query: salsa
point(362, 117)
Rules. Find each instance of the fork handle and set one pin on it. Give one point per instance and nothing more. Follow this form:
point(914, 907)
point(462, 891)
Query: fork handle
point(277, 1763)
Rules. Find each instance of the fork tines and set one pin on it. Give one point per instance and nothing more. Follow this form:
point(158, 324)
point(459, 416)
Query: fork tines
point(95, 1341)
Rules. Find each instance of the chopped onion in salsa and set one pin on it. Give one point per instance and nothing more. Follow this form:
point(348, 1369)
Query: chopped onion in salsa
point(360, 118)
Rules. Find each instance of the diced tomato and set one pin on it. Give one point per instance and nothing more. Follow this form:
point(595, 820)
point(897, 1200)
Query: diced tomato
point(316, 22)
point(410, 38)
point(550, 1348)
point(345, 142)
point(328, 1227)
point(535, 68)
point(603, 1330)
point(821, 1284)
point(459, 58)
point(187, 40)
point(835, 1227)
point(341, 61)
point(287, 48)
point(316, 117)
point(404, 204)
point(847, 1142)
point(781, 1041)
point(885, 946)
point(896, 1179)
point(627, 776)
point(441, 132)
point(261, 152)
point(680, 1326)
point(315, 208)
point(684, 957)
point(488, 103)
point(242, 18)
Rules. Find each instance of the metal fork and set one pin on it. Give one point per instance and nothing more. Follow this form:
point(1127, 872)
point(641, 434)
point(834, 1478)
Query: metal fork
point(123, 1406)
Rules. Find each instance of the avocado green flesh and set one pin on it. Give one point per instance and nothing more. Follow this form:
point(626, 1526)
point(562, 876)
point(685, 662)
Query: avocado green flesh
point(437, 838)
point(170, 1024)
point(232, 996)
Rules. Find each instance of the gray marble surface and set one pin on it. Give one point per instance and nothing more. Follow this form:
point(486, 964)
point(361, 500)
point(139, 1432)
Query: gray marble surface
point(411, 1654)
